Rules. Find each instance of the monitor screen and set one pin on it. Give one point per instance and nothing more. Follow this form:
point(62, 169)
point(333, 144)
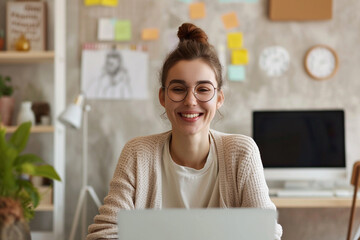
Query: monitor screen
point(300, 139)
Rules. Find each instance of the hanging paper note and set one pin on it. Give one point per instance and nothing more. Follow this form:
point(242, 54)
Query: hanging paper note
point(239, 57)
point(235, 40)
point(106, 29)
point(123, 30)
point(197, 10)
point(230, 20)
point(185, 1)
point(150, 34)
point(109, 3)
point(236, 73)
point(92, 2)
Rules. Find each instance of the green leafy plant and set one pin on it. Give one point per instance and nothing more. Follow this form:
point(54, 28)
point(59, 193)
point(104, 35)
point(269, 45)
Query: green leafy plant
point(5, 88)
point(14, 165)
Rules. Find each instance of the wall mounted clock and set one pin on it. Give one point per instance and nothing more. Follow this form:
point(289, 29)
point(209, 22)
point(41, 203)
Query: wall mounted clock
point(274, 61)
point(321, 62)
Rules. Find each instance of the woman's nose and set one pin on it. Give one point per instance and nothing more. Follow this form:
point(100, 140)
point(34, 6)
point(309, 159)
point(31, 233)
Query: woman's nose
point(190, 99)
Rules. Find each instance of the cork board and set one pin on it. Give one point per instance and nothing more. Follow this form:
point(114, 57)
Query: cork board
point(300, 10)
point(26, 18)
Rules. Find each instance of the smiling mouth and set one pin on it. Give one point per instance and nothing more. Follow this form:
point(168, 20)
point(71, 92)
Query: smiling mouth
point(192, 115)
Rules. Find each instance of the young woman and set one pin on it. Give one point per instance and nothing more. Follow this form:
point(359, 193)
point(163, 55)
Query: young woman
point(190, 166)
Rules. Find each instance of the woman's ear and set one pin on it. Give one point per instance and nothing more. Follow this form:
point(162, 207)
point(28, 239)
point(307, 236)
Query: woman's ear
point(162, 96)
point(220, 99)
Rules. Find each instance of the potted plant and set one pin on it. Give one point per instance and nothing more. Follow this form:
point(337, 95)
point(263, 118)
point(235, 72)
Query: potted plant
point(18, 196)
point(6, 100)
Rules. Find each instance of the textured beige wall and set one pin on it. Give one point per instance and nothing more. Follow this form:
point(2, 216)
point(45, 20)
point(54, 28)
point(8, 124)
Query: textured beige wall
point(112, 123)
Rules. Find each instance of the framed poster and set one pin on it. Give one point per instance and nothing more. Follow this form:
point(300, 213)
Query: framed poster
point(28, 18)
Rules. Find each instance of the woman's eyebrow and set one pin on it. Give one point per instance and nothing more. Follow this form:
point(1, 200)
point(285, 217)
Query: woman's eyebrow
point(183, 81)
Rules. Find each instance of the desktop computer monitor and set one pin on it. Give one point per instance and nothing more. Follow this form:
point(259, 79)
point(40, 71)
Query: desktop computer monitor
point(301, 145)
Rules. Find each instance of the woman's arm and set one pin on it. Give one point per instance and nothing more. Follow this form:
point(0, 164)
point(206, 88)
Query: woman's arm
point(120, 196)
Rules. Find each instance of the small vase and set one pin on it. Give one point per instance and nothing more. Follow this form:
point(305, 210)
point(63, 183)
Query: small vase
point(26, 114)
point(6, 110)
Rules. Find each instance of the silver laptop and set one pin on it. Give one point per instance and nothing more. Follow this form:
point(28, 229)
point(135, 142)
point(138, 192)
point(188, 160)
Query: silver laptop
point(198, 224)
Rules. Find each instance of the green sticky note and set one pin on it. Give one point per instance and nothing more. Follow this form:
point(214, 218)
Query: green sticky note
point(123, 30)
point(236, 73)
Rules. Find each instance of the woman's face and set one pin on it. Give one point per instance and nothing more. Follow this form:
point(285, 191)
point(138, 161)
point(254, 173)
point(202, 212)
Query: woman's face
point(190, 116)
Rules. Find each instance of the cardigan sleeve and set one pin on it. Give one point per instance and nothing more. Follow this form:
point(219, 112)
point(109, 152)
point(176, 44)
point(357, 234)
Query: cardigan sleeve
point(255, 192)
point(121, 196)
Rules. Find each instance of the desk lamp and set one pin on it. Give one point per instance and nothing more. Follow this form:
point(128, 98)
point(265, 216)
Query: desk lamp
point(72, 117)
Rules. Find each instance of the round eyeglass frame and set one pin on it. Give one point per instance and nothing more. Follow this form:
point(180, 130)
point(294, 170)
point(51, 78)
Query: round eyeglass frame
point(193, 92)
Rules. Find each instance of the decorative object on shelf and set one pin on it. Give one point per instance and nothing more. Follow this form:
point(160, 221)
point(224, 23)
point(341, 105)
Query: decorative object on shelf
point(295, 10)
point(72, 117)
point(274, 61)
point(355, 182)
point(7, 102)
point(25, 113)
point(321, 62)
point(22, 44)
point(2, 40)
point(41, 111)
point(28, 18)
point(19, 197)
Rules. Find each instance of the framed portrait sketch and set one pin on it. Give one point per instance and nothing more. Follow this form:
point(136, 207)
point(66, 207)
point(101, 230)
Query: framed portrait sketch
point(28, 18)
point(114, 74)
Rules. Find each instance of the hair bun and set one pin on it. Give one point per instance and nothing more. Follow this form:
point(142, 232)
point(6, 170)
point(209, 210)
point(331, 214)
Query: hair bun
point(188, 31)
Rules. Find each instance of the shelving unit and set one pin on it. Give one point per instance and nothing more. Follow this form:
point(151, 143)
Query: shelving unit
point(11, 57)
point(35, 129)
point(57, 58)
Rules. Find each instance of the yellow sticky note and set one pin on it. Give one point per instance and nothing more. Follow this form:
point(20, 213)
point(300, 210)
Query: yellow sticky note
point(240, 57)
point(91, 2)
point(150, 34)
point(197, 10)
point(110, 3)
point(235, 40)
point(230, 20)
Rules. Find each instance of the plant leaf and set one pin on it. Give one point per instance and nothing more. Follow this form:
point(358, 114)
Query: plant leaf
point(31, 191)
point(20, 137)
point(27, 158)
point(46, 171)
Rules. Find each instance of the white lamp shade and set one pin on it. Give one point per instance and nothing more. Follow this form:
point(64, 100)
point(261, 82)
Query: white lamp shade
point(72, 116)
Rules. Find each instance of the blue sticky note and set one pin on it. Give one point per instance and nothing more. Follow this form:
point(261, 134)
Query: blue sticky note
point(185, 1)
point(237, 1)
point(236, 73)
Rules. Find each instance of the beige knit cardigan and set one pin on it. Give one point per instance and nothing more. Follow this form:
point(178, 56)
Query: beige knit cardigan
point(136, 183)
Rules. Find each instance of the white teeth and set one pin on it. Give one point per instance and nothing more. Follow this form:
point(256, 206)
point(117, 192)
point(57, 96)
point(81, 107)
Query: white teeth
point(190, 115)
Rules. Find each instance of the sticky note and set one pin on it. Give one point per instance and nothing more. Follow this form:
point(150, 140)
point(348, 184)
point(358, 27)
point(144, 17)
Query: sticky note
point(150, 34)
point(237, 1)
point(230, 20)
point(110, 3)
point(92, 2)
point(239, 57)
point(236, 73)
point(235, 40)
point(185, 1)
point(106, 29)
point(122, 30)
point(197, 10)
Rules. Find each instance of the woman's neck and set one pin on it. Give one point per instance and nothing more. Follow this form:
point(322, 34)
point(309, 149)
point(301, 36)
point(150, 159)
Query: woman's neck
point(190, 151)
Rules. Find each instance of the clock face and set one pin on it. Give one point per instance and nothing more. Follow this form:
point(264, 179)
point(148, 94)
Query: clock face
point(321, 62)
point(274, 61)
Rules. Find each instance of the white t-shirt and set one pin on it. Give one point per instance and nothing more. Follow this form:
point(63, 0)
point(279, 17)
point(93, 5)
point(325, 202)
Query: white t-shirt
point(185, 187)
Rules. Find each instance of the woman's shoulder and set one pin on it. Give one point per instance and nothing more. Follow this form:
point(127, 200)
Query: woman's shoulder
point(236, 142)
point(149, 141)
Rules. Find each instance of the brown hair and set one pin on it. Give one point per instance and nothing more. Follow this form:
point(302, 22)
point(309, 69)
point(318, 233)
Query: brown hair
point(193, 45)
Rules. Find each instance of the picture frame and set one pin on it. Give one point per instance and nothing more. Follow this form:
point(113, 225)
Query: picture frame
point(28, 18)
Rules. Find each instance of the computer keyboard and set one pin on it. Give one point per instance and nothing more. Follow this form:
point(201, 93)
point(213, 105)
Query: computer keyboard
point(305, 193)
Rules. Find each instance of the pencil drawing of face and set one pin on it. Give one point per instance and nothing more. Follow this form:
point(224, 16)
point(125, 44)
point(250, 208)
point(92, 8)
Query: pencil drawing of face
point(113, 63)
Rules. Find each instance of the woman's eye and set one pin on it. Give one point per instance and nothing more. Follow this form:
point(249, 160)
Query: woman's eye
point(203, 90)
point(178, 90)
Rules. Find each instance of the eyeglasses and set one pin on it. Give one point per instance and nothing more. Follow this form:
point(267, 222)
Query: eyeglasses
point(203, 92)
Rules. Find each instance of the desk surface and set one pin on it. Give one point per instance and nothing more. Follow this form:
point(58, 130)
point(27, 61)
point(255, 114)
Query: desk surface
point(319, 202)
